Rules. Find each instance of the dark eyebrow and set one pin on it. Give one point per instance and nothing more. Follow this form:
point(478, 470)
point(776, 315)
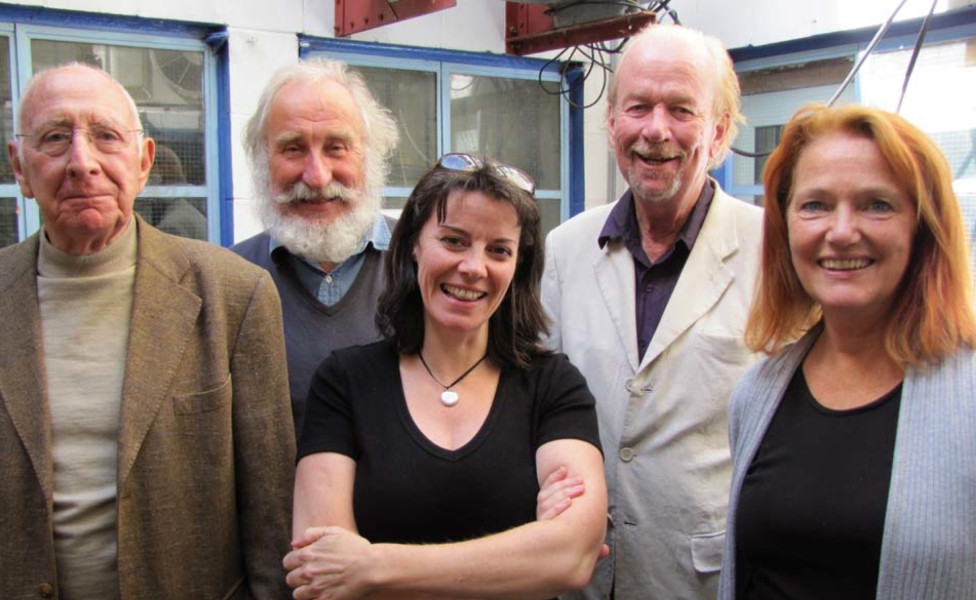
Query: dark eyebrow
point(501, 240)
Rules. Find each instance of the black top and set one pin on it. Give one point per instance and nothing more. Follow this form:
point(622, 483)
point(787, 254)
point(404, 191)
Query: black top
point(409, 490)
point(812, 508)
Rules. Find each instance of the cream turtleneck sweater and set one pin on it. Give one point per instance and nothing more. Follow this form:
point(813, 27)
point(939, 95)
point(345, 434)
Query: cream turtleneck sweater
point(85, 305)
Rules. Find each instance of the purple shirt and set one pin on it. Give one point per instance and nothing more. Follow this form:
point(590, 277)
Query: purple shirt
point(654, 281)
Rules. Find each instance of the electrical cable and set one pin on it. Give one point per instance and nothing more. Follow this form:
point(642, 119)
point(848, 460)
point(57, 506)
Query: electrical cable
point(919, 42)
point(599, 53)
point(850, 76)
point(867, 52)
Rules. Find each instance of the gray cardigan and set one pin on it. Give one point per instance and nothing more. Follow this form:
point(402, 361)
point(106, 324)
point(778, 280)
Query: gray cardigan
point(929, 546)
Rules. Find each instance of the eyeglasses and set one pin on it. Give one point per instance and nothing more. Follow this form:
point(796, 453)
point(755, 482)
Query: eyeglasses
point(55, 141)
point(468, 163)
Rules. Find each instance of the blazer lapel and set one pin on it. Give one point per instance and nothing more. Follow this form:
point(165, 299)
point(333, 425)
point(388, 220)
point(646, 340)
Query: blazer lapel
point(22, 379)
point(703, 280)
point(614, 270)
point(163, 318)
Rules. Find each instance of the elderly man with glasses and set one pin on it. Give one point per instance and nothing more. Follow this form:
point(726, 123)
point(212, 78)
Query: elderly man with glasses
point(146, 449)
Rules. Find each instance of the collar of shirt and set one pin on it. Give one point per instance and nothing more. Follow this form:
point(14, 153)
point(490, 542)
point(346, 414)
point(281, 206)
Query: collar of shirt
point(329, 288)
point(622, 225)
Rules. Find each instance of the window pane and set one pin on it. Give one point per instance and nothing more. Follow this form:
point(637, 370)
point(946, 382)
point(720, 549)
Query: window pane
point(186, 217)
point(771, 96)
point(8, 221)
point(167, 86)
point(939, 101)
point(7, 118)
point(412, 98)
point(512, 120)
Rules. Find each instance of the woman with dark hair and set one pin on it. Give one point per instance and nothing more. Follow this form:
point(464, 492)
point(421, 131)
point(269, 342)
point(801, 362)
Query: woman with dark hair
point(854, 443)
point(422, 456)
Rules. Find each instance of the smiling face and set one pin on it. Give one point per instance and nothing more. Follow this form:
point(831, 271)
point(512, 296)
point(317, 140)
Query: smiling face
point(466, 263)
point(315, 138)
point(662, 125)
point(851, 226)
point(85, 193)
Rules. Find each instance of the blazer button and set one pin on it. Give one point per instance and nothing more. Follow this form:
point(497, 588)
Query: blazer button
point(626, 454)
point(46, 590)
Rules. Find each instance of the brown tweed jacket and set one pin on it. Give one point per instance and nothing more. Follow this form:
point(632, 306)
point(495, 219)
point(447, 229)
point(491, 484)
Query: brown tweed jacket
point(206, 444)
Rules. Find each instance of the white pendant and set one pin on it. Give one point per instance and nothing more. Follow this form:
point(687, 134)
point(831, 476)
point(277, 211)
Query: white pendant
point(449, 398)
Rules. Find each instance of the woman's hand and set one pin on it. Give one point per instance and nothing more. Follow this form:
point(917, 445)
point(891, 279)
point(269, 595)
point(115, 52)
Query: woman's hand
point(328, 563)
point(557, 494)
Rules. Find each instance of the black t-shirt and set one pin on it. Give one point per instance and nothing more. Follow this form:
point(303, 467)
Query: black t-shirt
point(812, 508)
point(409, 490)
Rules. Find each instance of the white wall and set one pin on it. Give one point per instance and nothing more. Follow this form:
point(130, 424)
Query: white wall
point(263, 37)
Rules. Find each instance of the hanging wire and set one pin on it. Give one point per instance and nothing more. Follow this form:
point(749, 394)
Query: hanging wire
point(598, 54)
point(870, 48)
point(857, 66)
point(919, 42)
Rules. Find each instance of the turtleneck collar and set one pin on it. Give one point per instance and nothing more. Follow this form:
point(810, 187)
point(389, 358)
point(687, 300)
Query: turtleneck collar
point(118, 256)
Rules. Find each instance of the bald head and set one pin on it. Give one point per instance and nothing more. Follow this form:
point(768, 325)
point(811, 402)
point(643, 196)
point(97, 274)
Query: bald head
point(78, 69)
point(81, 155)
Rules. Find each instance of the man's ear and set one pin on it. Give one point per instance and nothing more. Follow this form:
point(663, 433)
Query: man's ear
point(18, 170)
point(722, 125)
point(146, 161)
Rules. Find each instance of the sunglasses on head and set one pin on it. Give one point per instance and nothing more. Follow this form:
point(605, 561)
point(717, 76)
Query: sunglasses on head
point(468, 163)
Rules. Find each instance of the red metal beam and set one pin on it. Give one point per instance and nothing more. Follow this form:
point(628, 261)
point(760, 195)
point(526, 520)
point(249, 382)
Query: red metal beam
point(529, 30)
point(353, 16)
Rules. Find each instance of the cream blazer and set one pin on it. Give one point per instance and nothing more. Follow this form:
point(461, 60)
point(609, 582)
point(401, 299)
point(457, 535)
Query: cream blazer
point(663, 420)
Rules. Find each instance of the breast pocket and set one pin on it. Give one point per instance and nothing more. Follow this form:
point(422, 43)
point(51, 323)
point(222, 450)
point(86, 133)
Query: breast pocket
point(205, 401)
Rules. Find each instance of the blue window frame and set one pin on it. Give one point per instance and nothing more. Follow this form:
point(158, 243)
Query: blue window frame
point(172, 74)
point(777, 79)
point(453, 101)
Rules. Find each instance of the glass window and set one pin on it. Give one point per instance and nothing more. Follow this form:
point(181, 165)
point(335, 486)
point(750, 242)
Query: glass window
point(443, 104)
point(412, 97)
point(8, 221)
point(770, 96)
point(171, 80)
point(938, 100)
point(490, 115)
point(167, 86)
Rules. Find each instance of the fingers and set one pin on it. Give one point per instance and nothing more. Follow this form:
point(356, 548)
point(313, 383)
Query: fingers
point(604, 552)
point(310, 535)
point(556, 494)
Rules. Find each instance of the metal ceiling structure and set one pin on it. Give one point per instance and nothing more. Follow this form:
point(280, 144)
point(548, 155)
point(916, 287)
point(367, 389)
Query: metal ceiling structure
point(353, 16)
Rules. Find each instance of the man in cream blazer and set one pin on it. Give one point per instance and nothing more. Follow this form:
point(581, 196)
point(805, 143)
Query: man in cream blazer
point(146, 444)
point(649, 297)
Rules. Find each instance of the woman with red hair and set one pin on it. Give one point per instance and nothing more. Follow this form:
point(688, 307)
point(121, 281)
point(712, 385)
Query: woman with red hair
point(854, 443)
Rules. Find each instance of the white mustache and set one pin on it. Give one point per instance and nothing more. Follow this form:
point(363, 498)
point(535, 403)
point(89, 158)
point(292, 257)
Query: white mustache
point(302, 192)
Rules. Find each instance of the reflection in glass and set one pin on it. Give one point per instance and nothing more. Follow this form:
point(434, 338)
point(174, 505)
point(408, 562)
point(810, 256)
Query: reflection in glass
point(412, 98)
point(8, 221)
point(7, 118)
point(186, 217)
point(512, 120)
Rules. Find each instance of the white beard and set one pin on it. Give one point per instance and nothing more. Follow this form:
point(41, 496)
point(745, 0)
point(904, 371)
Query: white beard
point(331, 242)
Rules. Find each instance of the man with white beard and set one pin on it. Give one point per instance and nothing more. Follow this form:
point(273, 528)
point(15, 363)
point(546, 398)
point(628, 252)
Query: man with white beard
point(318, 146)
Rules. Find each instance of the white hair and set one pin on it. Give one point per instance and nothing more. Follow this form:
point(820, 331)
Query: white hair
point(380, 130)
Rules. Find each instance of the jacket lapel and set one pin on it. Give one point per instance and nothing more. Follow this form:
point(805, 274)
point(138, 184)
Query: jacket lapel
point(163, 318)
point(703, 280)
point(614, 270)
point(23, 387)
